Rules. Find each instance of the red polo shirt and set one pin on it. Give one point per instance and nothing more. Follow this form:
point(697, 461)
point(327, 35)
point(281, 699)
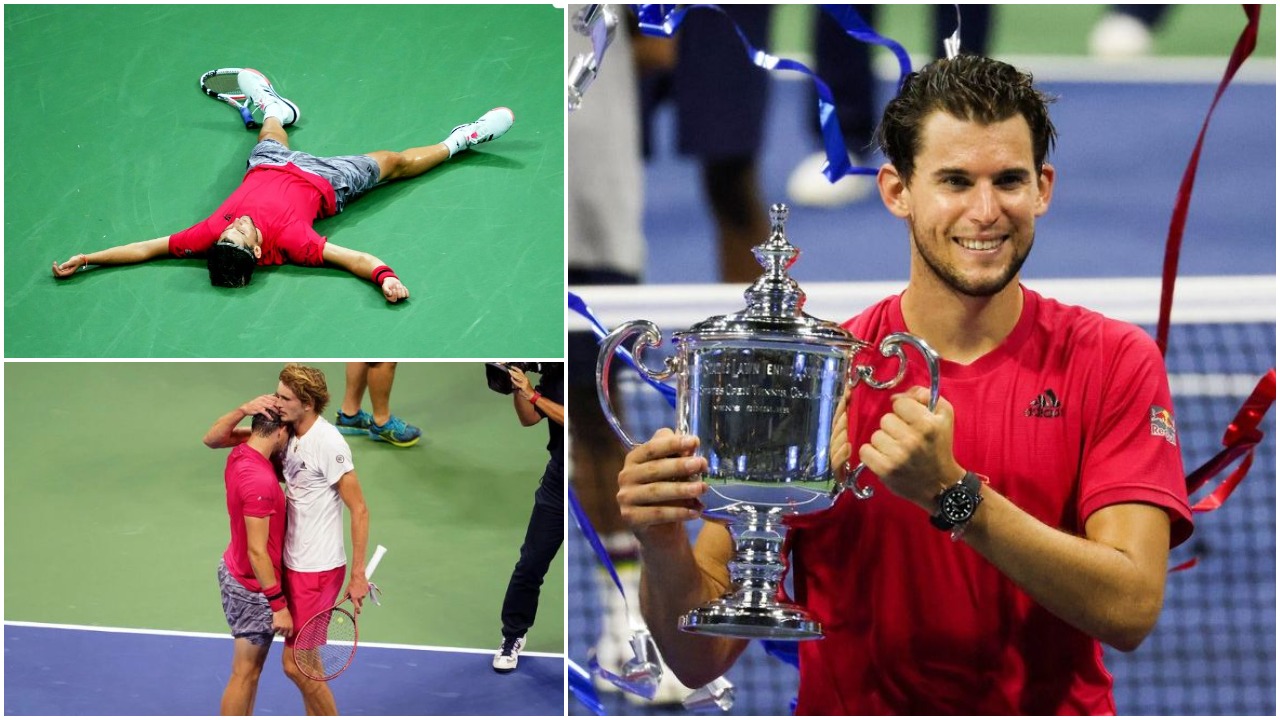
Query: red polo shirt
point(283, 201)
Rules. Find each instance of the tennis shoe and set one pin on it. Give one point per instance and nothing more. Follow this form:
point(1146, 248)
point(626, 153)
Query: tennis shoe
point(490, 126)
point(357, 424)
point(508, 656)
point(258, 88)
point(395, 431)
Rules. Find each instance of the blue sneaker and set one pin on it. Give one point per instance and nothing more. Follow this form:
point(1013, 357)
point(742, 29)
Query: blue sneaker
point(396, 431)
point(357, 424)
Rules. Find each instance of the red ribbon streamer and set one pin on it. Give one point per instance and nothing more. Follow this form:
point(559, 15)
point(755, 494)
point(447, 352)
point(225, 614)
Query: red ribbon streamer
point(1242, 435)
point(1244, 47)
point(1240, 439)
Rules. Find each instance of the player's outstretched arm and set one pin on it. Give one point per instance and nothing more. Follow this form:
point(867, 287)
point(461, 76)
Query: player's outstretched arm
point(119, 255)
point(364, 265)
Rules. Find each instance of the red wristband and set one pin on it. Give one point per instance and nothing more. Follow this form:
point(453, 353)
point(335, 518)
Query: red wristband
point(534, 400)
point(381, 273)
point(275, 597)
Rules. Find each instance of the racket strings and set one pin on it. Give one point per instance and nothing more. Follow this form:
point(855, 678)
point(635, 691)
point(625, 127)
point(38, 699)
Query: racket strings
point(223, 84)
point(324, 645)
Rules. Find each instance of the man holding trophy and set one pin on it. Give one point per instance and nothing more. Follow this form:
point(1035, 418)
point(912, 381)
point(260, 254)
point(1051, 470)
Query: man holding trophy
point(1011, 517)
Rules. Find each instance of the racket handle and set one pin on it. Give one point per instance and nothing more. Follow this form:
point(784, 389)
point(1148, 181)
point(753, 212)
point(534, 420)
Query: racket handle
point(373, 563)
point(249, 122)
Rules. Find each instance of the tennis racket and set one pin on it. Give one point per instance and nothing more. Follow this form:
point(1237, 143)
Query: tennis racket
point(326, 644)
point(221, 84)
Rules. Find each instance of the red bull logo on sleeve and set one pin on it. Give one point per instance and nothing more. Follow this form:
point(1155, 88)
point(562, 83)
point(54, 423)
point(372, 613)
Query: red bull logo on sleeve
point(1162, 424)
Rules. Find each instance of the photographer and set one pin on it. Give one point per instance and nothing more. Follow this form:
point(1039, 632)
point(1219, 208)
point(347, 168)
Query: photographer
point(545, 533)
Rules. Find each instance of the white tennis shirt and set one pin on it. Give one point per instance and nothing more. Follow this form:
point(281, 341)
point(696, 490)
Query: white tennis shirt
point(313, 465)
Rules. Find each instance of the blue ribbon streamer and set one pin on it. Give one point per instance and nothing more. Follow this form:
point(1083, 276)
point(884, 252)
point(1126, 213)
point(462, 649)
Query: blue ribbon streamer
point(664, 20)
point(577, 305)
point(593, 538)
point(581, 687)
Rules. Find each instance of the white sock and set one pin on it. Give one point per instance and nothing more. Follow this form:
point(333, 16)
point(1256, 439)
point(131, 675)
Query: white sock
point(457, 140)
point(277, 110)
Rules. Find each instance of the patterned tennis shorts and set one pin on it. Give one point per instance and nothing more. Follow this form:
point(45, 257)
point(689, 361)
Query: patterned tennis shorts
point(248, 613)
point(350, 175)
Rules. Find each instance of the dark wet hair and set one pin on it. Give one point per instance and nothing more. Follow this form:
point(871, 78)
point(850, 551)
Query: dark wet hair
point(230, 265)
point(967, 87)
point(265, 424)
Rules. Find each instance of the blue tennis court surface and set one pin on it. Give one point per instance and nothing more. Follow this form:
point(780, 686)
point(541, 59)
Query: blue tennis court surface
point(60, 670)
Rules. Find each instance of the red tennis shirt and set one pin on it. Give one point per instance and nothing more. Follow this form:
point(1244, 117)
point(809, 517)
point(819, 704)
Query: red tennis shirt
point(283, 201)
point(1070, 414)
point(253, 491)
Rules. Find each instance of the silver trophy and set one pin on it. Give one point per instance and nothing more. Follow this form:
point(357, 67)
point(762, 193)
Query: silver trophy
point(759, 389)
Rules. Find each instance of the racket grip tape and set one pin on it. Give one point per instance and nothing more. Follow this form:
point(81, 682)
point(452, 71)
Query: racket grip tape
point(249, 122)
point(373, 563)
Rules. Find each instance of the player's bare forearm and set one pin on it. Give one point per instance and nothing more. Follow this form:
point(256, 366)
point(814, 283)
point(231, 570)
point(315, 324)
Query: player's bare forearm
point(675, 578)
point(120, 255)
point(257, 533)
point(224, 433)
point(353, 497)
point(363, 265)
point(260, 561)
point(1109, 584)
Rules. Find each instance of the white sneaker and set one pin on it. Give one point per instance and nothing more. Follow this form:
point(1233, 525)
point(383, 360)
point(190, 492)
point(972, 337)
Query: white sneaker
point(508, 656)
point(808, 187)
point(1118, 36)
point(491, 126)
point(258, 88)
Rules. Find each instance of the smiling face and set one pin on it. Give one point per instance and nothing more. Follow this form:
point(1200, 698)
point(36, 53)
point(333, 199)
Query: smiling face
point(243, 232)
point(971, 202)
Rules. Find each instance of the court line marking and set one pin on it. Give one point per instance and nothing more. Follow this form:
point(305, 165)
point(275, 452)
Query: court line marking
point(222, 636)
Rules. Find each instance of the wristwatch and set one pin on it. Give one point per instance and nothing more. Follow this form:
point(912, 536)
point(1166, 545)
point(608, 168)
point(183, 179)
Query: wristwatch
point(958, 503)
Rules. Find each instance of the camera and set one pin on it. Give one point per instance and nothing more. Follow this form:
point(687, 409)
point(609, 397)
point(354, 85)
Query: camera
point(499, 378)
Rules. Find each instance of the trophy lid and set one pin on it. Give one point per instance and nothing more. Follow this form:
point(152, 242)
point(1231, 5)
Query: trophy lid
point(775, 301)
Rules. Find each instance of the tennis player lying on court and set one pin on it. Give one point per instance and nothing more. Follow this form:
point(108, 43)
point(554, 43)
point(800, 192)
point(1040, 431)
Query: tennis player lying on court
point(320, 478)
point(268, 219)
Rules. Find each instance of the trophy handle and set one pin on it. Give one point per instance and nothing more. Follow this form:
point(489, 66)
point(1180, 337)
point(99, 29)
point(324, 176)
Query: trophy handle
point(889, 347)
point(649, 336)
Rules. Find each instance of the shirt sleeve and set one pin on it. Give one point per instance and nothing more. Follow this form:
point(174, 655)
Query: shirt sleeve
point(338, 459)
point(195, 240)
point(1132, 450)
point(300, 244)
point(255, 493)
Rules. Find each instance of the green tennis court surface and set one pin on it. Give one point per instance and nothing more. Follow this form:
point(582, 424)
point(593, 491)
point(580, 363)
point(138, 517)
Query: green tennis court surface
point(115, 512)
point(108, 141)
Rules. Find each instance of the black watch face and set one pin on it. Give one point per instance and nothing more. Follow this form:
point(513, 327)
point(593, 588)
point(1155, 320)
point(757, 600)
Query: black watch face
point(958, 505)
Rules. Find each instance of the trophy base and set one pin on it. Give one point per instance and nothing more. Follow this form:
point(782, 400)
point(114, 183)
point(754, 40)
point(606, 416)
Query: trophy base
point(776, 621)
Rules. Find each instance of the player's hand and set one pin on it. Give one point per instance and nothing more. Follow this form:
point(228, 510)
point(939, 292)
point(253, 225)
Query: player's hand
point(357, 590)
point(394, 290)
point(269, 404)
point(69, 268)
point(282, 622)
point(658, 485)
point(520, 381)
point(911, 452)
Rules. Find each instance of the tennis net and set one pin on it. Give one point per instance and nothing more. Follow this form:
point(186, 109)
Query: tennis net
point(1213, 649)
